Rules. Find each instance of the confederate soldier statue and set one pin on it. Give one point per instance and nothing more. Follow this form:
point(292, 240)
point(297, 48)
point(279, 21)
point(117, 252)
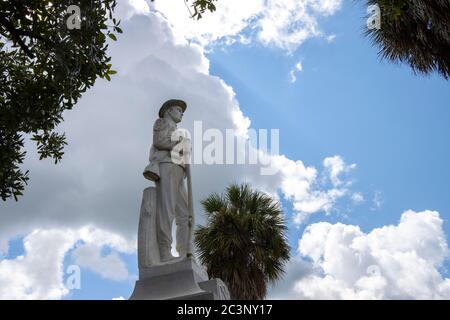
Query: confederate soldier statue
point(167, 168)
point(161, 275)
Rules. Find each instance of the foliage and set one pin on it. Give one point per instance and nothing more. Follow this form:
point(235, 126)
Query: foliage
point(416, 32)
point(244, 240)
point(45, 67)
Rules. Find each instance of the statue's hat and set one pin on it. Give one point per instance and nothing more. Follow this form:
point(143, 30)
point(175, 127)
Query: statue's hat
point(169, 103)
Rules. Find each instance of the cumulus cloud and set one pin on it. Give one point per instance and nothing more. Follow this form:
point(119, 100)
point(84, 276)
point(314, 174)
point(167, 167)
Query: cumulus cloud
point(100, 182)
point(392, 262)
point(39, 272)
point(129, 8)
point(109, 266)
point(336, 167)
point(308, 192)
point(100, 178)
point(230, 19)
point(285, 24)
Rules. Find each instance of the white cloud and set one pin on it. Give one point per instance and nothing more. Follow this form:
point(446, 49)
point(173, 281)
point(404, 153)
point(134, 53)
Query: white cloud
point(39, 272)
point(326, 7)
point(302, 186)
point(330, 38)
point(109, 133)
point(229, 20)
point(281, 23)
point(127, 9)
point(336, 167)
point(99, 181)
point(392, 262)
point(98, 237)
point(293, 73)
point(357, 197)
point(377, 200)
point(287, 24)
point(109, 266)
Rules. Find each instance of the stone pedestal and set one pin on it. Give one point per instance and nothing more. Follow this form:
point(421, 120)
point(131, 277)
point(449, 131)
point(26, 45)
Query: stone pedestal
point(182, 279)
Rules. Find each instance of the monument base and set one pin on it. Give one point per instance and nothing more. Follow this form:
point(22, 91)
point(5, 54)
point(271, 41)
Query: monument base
point(181, 279)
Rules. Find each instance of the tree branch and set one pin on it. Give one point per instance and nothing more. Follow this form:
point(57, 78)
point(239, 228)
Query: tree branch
point(15, 35)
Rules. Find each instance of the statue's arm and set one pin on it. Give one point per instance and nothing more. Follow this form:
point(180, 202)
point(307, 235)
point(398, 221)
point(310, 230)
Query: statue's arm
point(163, 143)
point(162, 139)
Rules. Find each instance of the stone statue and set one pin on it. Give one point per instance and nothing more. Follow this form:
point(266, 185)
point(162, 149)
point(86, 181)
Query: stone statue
point(167, 168)
point(162, 276)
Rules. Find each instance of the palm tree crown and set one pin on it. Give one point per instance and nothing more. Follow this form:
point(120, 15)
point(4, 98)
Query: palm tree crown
point(416, 32)
point(244, 241)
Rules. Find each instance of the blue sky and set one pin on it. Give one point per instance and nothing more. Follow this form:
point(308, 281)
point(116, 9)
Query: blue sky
point(345, 101)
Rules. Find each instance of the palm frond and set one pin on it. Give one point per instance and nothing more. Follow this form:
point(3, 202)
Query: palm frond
point(244, 242)
point(416, 32)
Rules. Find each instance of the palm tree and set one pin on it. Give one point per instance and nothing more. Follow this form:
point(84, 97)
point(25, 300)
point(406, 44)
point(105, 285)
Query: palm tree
point(416, 32)
point(244, 241)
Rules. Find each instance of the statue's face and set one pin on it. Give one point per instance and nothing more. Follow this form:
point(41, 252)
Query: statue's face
point(176, 113)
